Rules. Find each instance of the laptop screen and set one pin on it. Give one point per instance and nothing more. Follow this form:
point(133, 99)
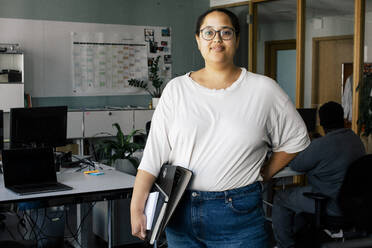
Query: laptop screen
point(28, 166)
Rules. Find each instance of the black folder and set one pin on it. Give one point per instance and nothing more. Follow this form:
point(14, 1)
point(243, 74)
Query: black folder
point(171, 184)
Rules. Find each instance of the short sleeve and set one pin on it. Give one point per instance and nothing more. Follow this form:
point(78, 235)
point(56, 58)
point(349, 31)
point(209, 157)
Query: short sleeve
point(158, 147)
point(288, 130)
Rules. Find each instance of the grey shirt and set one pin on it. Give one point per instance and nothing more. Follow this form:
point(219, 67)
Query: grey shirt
point(326, 161)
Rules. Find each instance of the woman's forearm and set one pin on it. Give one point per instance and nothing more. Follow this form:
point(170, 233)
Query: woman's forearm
point(277, 161)
point(142, 186)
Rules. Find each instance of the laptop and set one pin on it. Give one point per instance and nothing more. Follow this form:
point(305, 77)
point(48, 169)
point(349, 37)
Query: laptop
point(31, 171)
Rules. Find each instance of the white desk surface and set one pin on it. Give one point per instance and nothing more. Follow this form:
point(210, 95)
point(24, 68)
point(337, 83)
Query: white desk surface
point(287, 172)
point(81, 183)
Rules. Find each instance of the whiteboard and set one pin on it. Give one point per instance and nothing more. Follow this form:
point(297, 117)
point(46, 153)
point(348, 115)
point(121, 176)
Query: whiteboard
point(48, 51)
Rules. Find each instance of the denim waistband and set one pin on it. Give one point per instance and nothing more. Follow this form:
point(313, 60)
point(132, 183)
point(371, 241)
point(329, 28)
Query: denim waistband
point(210, 195)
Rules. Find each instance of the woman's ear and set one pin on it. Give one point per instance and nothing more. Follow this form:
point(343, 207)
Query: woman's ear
point(237, 41)
point(197, 38)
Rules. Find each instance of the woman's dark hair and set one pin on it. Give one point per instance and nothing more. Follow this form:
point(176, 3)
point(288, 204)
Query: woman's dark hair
point(233, 18)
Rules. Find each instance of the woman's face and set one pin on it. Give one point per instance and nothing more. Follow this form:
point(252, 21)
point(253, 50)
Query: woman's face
point(217, 50)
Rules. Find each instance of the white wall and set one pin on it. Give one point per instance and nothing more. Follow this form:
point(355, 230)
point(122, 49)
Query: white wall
point(269, 32)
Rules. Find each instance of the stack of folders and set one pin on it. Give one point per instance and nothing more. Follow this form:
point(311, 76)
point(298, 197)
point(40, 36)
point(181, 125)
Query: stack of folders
point(164, 198)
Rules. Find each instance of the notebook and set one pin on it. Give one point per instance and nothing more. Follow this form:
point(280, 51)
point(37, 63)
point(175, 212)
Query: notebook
point(170, 185)
point(31, 171)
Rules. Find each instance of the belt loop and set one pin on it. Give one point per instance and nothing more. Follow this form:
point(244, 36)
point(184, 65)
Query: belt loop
point(226, 196)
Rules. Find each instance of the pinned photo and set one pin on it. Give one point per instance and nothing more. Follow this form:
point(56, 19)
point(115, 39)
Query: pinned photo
point(167, 59)
point(149, 34)
point(153, 47)
point(165, 32)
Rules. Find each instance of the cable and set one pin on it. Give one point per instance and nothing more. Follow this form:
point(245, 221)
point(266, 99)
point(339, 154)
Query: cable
point(84, 161)
point(10, 233)
point(69, 229)
point(85, 216)
point(21, 221)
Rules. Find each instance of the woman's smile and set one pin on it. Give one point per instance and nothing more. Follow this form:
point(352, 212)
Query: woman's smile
point(218, 48)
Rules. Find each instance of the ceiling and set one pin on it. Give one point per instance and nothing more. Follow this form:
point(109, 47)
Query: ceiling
point(285, 10)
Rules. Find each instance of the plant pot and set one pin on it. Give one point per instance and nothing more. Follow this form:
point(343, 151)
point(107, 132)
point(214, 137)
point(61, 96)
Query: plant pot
point(155, 101)
point(124, 165)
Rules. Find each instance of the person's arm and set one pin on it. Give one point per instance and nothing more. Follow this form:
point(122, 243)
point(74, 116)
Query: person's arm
point(310, 157)
point(277, 161)
point(142, 186)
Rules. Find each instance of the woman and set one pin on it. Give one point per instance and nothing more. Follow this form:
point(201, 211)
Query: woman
point(219, 122)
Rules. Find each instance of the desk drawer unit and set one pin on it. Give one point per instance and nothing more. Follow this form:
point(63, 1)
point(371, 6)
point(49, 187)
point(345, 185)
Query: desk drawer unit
point(74, 125)
point(141, 117)
point(99, 123)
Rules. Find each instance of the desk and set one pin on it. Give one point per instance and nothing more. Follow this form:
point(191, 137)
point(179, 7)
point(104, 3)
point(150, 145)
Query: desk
point(285, 172)
point(86, 188)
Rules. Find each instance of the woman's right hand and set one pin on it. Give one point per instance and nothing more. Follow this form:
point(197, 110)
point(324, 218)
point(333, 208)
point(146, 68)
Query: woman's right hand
point(138, 223)
point(142, 186)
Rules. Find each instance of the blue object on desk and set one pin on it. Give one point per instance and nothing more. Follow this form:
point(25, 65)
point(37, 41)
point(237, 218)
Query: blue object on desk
point(97, 173)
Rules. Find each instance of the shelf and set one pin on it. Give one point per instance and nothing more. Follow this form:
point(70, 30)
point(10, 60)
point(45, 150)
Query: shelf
point(11, 82)
point(11, 53)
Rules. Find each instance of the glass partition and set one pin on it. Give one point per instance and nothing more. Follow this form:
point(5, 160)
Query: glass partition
point(328, 50)
point(276, 43)
point(365, 93)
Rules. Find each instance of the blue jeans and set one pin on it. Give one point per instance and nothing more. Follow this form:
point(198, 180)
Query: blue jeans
point(231, 218)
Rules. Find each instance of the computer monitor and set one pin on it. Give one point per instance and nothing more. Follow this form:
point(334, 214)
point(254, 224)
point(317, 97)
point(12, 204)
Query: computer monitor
point(38, 127)
point(309, 117)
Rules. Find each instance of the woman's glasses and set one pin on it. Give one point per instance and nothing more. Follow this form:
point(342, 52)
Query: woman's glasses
point(209, 33)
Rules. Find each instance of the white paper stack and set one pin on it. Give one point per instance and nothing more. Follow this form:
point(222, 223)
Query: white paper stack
point(150, 208)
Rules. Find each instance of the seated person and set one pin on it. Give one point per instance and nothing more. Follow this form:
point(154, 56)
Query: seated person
point(325, 162)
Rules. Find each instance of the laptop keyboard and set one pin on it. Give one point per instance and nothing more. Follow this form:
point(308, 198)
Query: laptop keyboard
point(40, 188)
point(36, 186)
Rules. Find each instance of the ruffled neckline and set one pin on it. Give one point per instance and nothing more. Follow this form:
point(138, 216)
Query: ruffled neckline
point(232, 87)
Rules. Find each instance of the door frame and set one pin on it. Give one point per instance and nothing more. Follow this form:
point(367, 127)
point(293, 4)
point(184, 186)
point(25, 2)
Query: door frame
point(316, 41)
point(271, 49)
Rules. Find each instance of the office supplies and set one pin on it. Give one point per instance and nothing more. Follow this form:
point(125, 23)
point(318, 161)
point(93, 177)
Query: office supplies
point(31, 171)
point(89, 172)
point(171, 184)
point(96, 173)
point(41, 126)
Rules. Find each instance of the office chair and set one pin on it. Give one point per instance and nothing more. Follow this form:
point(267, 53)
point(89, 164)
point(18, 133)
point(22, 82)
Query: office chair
point(355, 201)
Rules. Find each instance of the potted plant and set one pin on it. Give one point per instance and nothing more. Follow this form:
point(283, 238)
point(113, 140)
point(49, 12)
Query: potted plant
point(119, 151)
point(154, 78)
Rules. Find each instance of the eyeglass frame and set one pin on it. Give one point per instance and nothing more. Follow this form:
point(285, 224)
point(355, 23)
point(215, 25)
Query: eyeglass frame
point(215, 32)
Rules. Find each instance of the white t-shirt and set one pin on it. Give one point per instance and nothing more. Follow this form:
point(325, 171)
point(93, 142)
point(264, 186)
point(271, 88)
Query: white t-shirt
point(223, 135)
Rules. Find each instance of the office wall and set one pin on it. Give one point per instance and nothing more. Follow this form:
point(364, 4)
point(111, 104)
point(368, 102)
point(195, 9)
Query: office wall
point(271, 32)
point(178, 14)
